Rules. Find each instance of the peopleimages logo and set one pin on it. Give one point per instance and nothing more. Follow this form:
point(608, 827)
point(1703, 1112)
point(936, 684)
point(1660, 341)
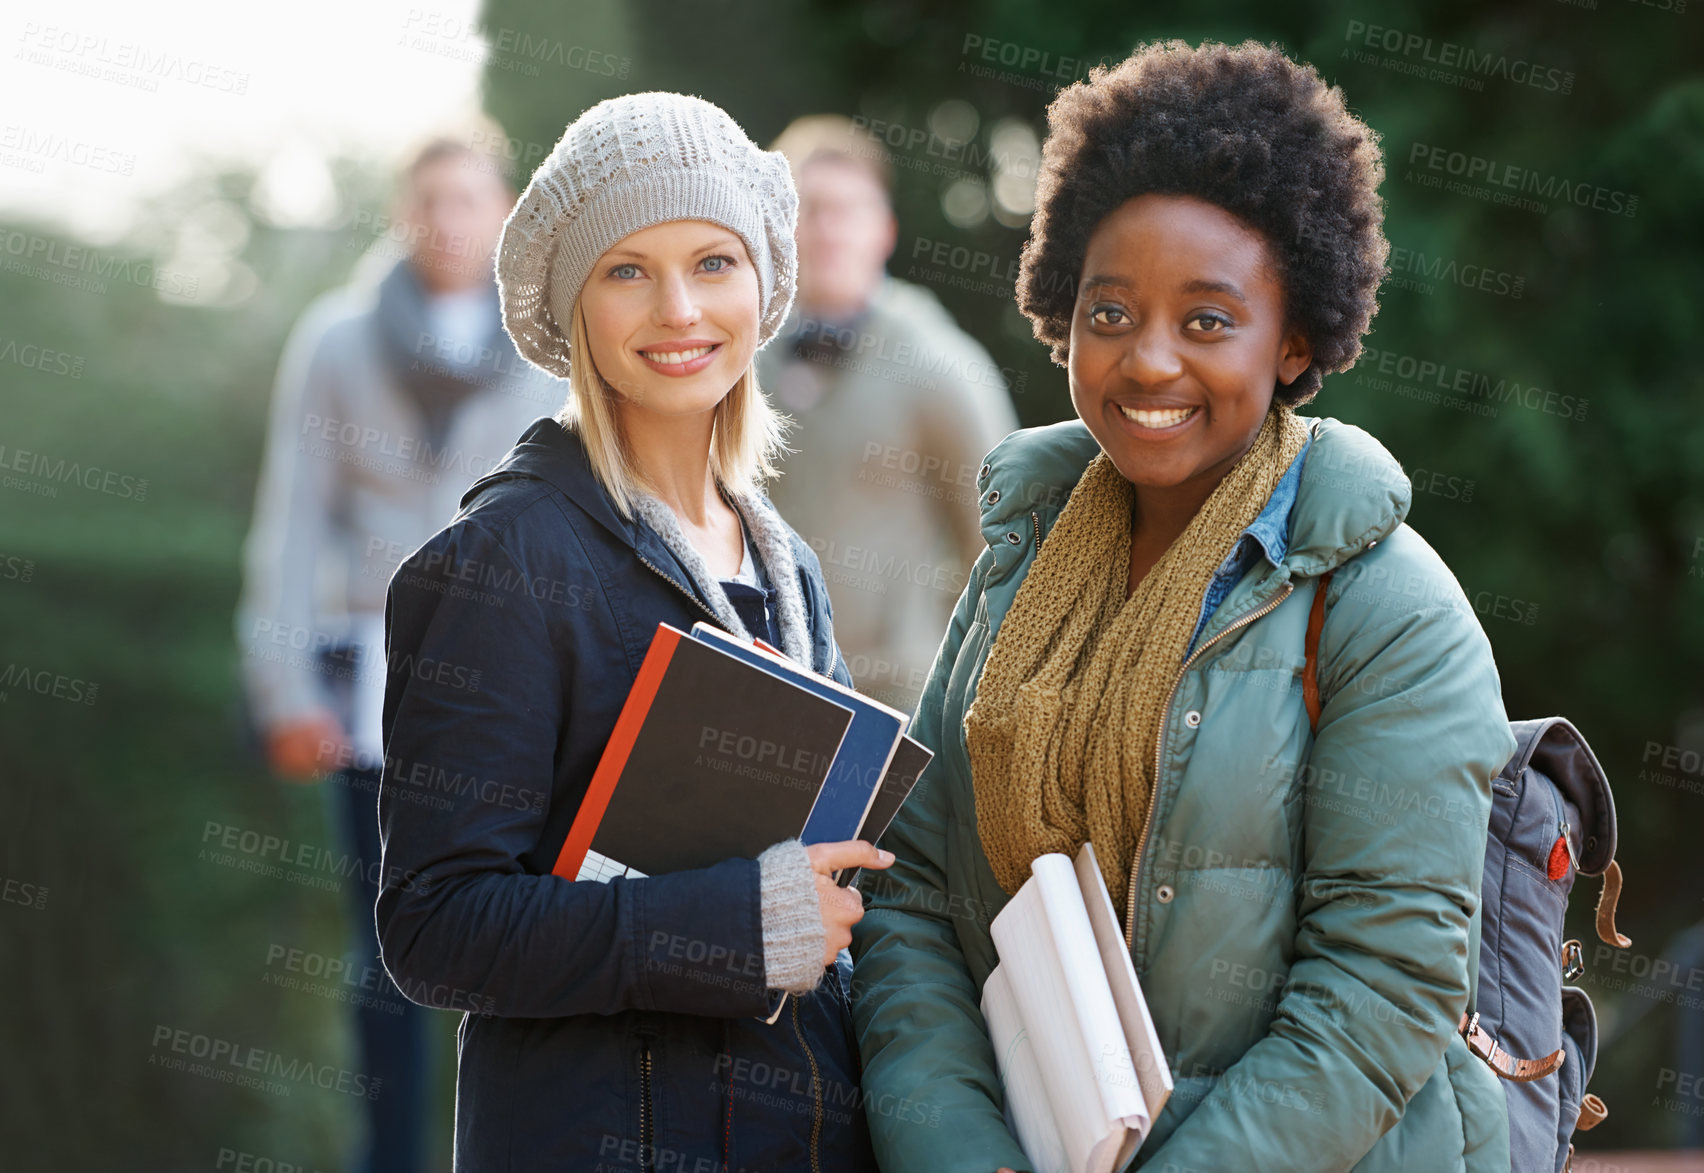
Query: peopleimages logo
point(1414, 268)
point(1453, 58)
point(1470, 384)
point(1508, 179)
point(41, 146)
point(98, 55)
point(50, 468)
point(52, 259)
point(977, 158)
point(45, 682)
point(231, 1062)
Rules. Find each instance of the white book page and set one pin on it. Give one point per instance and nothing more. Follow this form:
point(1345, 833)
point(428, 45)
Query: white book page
point(1048, 949)
point(1148, 1067)
point(602, 869)
point(1028, 1113)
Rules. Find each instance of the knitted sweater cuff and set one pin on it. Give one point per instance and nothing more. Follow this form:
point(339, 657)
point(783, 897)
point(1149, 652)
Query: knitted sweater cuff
point(793, 933)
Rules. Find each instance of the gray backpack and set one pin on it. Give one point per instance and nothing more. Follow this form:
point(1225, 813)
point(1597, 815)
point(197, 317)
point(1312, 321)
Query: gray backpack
point(1552, 817)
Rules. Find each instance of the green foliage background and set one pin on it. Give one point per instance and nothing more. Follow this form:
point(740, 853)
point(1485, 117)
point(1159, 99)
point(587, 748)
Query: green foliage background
point(1593, 526)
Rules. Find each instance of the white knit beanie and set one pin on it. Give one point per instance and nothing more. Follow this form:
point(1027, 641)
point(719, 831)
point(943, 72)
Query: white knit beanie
point(625, 164)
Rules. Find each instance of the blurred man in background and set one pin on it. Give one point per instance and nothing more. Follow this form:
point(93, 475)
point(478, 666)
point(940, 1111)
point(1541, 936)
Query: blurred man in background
point(389, 402)
point(895, 406)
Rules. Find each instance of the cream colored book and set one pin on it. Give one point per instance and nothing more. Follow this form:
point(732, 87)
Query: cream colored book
point(1079, 1058)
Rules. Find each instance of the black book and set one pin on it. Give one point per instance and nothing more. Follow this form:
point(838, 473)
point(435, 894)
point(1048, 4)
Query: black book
point(711, 758)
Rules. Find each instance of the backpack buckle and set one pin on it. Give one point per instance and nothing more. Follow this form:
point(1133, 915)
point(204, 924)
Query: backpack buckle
point(1493, 1055)
point(1480, 1042)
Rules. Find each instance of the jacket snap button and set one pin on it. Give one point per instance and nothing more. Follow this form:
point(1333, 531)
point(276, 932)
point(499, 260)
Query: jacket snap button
point(985, 470)
point(1014, 537)
point(1192, 718)
point(1164, 894)
point(993, 496)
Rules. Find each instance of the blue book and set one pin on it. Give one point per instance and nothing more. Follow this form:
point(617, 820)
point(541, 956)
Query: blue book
point(865, 752)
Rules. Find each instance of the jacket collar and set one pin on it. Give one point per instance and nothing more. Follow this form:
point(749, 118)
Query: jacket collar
point(1031, 471)
point(1351, 493)
point(1271, 529)
point(553, 454)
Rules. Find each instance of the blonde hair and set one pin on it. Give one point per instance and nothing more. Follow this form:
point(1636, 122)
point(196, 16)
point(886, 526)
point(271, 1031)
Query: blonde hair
point(747, 434)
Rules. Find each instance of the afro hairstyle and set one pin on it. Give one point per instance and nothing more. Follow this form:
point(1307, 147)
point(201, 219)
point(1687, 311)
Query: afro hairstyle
point(1243, 128)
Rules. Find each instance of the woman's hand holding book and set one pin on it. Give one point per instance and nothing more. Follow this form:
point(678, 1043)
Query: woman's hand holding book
point(841, 908)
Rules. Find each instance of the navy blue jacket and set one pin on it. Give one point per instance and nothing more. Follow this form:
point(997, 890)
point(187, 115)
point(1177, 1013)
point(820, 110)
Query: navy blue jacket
point(608, 1025)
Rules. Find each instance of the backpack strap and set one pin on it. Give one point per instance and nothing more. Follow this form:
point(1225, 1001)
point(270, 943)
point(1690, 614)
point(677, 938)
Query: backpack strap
point(1480, 1042)
point(1310, 670)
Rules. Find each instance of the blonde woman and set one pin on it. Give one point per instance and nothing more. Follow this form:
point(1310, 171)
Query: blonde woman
point(618, 1025)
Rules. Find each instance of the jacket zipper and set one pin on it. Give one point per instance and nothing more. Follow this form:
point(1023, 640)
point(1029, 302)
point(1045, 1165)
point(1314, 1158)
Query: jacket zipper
point(714, 618)
point(647, 1154)
point(1036, 519)
point(696, 601)
point(1159, 756)
point(816, 1089)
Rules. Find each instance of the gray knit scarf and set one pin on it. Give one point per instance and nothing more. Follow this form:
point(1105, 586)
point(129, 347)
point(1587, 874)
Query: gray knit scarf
point(438, 374)
point(774, 547)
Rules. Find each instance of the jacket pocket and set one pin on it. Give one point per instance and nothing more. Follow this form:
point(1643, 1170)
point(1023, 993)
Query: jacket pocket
point(1579, 1041)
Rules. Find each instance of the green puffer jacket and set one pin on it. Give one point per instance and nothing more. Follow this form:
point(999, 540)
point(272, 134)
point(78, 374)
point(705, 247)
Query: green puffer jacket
point(1307, 907)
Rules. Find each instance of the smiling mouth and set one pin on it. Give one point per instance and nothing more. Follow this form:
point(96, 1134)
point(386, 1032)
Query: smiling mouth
point(673, 358)
point(1169, 417)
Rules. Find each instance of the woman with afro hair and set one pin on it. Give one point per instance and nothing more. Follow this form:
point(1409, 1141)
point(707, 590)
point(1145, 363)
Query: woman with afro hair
point(1295, 853)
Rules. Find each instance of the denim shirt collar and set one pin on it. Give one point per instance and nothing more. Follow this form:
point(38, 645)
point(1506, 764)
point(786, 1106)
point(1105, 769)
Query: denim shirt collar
point(1268, 534)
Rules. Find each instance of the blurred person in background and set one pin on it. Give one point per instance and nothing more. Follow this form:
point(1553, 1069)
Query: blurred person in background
point(895, 408)
point(391, 399)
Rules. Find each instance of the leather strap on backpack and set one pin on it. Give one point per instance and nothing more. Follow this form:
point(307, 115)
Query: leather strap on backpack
point(1607, 898)
point(1310, 670)
point(1480, 1042)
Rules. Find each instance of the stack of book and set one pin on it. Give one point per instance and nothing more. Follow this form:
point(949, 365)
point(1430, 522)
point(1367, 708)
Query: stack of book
point(1079, 1058)
point(725, 748)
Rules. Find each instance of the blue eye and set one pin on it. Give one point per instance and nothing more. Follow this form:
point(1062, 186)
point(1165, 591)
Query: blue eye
point(717, 264)
point(624, 272)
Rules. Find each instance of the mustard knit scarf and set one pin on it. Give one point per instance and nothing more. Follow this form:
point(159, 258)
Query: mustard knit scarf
point(1062, 735)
